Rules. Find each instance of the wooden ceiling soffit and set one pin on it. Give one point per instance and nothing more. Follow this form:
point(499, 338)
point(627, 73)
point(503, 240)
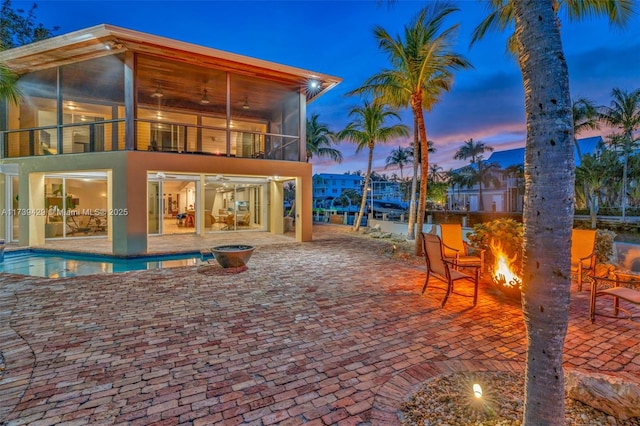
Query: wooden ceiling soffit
point(58, 57)
point(214, 62)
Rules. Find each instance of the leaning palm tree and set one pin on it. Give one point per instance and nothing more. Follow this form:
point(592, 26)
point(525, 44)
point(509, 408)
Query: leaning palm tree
point(320, 141)
point(399, 158)
point(475, 152)
point(549, 177)
point(624, 114)
point(422, 67)
point(367, 129)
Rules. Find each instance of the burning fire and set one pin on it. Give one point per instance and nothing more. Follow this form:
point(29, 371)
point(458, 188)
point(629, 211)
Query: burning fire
point(502, 272)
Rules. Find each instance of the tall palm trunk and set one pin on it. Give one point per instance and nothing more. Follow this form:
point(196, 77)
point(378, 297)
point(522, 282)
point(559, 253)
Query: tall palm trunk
point(480, 201)
point(548, 210)
point(416, 105)
point(411, 232)
point(363, 203)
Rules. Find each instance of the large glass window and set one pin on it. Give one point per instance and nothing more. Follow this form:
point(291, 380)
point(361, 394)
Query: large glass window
point(268, 107)
point(76, 206)
point(92, 95)
point(183, 108)
point(233, 203)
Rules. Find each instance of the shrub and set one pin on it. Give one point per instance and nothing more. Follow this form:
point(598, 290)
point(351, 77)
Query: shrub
point(511, 235)
point(508, 232)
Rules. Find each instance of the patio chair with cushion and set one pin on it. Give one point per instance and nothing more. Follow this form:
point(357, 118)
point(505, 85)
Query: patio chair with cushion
point(440, 268)
point(583, 253)
point(458, 251)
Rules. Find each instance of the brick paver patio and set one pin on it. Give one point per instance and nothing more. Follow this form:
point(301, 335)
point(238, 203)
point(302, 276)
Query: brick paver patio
point(329, 332)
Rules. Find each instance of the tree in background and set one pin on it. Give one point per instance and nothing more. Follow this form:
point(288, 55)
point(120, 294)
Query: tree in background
point(422, 67)
point(19, 27)
point(585, 117)
point(8, 86)
point(549, 186)
point(365, 131)
point(16, 29)
point(474, 151)
point(623, 114)
point(320, 140)
point(399, 158)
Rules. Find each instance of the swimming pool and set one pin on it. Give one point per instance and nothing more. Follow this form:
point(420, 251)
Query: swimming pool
point(61, 264)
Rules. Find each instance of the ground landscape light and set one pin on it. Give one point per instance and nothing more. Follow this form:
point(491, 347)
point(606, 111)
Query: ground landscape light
point(477, 390)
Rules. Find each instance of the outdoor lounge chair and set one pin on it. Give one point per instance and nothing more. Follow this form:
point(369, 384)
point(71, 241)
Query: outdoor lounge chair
point(583, 253)
point(458, 251)
point(440, 268)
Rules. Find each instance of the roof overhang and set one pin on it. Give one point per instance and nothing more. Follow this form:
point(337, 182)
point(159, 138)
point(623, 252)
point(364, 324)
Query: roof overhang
point(102, 40)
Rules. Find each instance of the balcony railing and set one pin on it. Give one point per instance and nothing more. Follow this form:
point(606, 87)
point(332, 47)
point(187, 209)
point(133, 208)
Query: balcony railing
point(67, 139)
point(151, 136)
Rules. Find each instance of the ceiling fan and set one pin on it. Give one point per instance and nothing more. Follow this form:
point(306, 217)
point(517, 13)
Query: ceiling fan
point(162, 176)
point(219, 178)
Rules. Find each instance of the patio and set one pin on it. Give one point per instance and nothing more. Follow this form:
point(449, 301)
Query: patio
point(328, 332)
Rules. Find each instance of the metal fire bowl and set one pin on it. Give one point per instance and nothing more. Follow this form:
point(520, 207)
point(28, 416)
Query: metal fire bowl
point(232, 256)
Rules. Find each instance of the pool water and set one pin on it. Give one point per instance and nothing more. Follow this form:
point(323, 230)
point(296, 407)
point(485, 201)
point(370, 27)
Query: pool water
point(60, 264)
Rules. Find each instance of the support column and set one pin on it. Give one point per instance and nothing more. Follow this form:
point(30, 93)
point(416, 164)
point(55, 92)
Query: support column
point(304, 210)
point(276, 201)
point(129, 208)
point(31, 200)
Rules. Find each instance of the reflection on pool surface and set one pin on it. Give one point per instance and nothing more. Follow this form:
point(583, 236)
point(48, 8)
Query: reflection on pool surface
point(59, 264)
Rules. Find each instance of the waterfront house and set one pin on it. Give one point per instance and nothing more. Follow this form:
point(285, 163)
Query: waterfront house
point(125, 135)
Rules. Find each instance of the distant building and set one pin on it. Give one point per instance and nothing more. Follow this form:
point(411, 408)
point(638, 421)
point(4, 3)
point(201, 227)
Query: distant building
point(508, 194)
point(329, 186)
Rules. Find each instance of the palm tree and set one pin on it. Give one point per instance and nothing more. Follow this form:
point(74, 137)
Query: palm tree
point(624, 114)
point(436, 173)
point(320, 141)
point(549, 175)
point(399, 158)
point(475, 151)
point(365, 131)
point(8, 85)
point(422, 63)
point(590, 174)
point(585, 117)
point(515, 171)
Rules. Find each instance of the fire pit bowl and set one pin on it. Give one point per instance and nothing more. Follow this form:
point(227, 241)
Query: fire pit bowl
point(233, 256)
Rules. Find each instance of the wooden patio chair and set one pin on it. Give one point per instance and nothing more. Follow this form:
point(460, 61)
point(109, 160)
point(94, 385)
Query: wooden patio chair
point(583, 253)
point(440, 268)
point(458, 251)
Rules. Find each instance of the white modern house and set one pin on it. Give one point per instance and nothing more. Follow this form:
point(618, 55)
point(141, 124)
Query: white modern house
point(125, 135)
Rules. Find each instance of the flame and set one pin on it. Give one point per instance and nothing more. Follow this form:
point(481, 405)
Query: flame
point(502, 272)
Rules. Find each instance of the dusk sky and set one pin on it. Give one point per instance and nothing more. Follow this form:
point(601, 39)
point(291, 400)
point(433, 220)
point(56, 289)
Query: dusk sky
point(336, 38)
